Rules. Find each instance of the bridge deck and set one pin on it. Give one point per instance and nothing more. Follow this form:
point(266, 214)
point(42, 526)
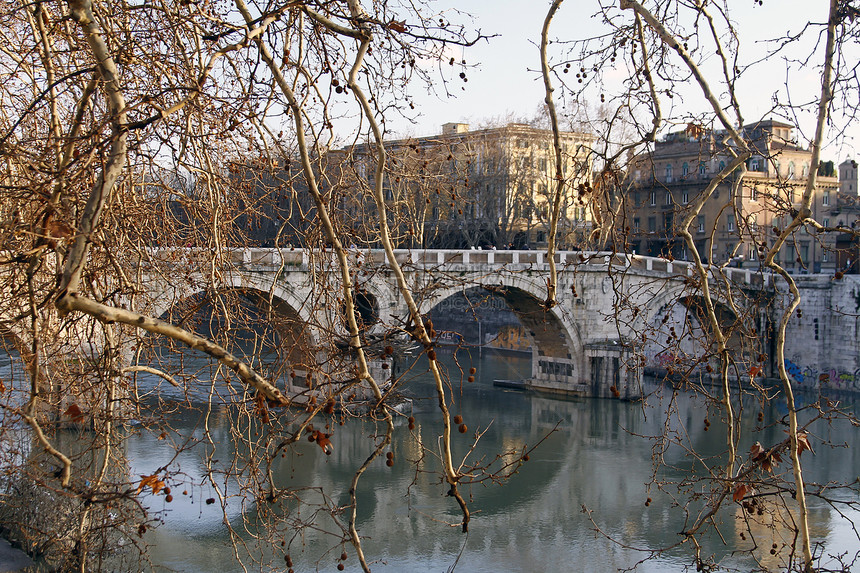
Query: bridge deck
point(305, 259)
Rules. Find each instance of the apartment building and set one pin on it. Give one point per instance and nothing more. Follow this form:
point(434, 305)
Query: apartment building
point(467, 188)
point(738, 223)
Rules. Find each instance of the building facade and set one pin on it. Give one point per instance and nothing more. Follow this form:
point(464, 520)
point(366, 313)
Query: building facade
point(469, 188)
point(740, 220)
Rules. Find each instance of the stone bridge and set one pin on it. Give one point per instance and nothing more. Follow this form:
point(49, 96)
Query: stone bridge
point(612, 311)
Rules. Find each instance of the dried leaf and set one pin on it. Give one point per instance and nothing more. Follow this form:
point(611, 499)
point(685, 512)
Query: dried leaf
point(694, 130)
point(58, 229)
point(740, 492)
point(146, 481)
point(803, 443)
point(74, 413)
point(756, 452)
point(397, 26)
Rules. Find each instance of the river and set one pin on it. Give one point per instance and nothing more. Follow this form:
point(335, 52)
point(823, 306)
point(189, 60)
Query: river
point(592, 456)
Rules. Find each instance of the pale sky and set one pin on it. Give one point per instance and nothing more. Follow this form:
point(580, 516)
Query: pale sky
point(502, 83)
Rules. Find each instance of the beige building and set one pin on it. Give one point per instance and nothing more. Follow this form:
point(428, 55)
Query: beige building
point(735, 228)
point(469, 188)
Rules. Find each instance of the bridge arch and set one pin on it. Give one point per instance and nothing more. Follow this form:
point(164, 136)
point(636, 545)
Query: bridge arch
point(297, 341)
point(374, 300)
point(675, 335)
point(558, 357)
point(283, 299)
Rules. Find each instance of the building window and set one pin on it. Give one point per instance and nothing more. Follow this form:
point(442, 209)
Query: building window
point(825, 257)
point(805, 171)
point(722, 165)
point(652, 224)
point(636, 198)
point(635, 224)
point(755, 164)
point(685, 170)
point(685, 197)
point(791, 169)
point(804, 252)
point(754, 194)
point(730, 223)
point(702, 168)
point(668, 198)
point(653, 198)
point(825, 198)
point(825, 221)
point(700, 224)
point(753, 250)
point(542, 164)
point(669, 173)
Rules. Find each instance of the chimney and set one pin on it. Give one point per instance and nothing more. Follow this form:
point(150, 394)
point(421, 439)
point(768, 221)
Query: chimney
point(454, 128)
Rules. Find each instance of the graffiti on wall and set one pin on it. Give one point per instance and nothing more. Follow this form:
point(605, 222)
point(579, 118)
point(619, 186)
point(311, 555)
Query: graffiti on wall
point(511, 338)
point(811, 377)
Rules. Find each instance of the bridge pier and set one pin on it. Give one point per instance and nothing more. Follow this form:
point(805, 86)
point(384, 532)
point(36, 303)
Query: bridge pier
point(614, 371)
point(610, 371)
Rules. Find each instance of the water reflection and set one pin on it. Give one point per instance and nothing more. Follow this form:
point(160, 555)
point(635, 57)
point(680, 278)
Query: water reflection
point(592, 454)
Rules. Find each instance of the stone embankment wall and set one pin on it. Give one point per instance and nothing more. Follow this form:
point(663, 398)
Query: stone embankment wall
point(822, 347)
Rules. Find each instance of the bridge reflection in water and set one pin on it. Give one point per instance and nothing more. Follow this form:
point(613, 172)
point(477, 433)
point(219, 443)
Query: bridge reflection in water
point(589, 457)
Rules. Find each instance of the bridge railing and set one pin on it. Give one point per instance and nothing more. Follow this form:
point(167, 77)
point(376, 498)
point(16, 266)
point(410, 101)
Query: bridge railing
point(302, 259)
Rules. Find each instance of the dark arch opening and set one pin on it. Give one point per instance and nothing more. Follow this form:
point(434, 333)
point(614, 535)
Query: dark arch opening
point(271, 336)
point(464, 314)
point(479, 317)
point(366, 309)
point(681, 344)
